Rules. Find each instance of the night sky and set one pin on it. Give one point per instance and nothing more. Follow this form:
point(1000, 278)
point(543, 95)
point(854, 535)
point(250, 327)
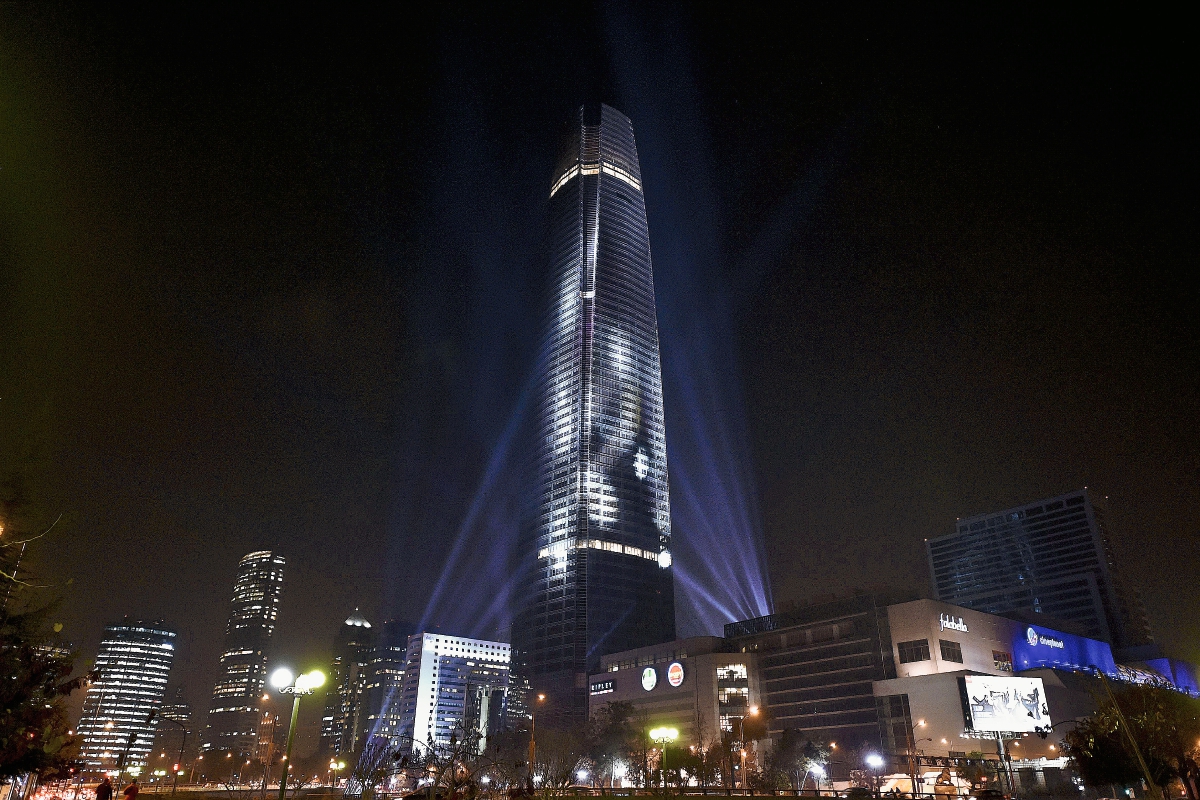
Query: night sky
point(274, 282)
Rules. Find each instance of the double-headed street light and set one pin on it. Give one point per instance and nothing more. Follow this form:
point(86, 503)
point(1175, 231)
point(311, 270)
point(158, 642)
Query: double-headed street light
point(664, 736)
point(285, 682)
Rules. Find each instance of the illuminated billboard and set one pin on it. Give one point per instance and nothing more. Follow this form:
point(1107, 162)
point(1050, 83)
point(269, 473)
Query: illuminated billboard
point(995, 703)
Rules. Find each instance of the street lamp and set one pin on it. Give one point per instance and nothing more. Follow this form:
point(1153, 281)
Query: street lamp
point(664, 736)
point(178, 767)
point(818, 772)
point(912, 753)
point(875, 761)
point(541, 698)
point(286, 683)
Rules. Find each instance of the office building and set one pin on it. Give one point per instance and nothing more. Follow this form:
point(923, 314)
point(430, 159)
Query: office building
point(134, 663)
point(600, 542)
point(233, 718)
point(176, 741)
point(817, 665)
point(1051, 557)
point(452, 686)
point(344, 726)
point(385, 679)
point(693, 685)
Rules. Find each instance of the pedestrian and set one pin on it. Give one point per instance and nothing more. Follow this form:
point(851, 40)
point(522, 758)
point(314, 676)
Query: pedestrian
point(131, 790)
point(104, 789)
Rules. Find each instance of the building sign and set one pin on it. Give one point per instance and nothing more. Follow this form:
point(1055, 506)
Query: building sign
point(1034, 646)
point(947, 622)
point(675, 673)
point(604, 687)
point(1034, 638)
point(995, 703)
point(649, 678)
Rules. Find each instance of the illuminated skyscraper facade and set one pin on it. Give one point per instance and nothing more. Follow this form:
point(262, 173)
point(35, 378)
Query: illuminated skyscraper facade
point(344, 726)
point(602, 579)
point(134, 663)
point(233, 717)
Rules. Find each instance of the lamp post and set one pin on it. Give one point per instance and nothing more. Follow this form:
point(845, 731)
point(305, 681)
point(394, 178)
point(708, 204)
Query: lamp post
point(912, 754)
point(664, 736)
point(874, 761)
point(286, 683)
point(179, 766)
point(818, 772)
point(541, 698)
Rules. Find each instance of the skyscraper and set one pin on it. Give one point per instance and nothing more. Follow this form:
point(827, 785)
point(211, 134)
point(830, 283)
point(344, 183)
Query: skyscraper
point(344, 725)
point(174, 743)
point(452, 686)
point(233, 717)
point(385, 679)
point(134, 663)
point(601, 579)
point(1051, 557)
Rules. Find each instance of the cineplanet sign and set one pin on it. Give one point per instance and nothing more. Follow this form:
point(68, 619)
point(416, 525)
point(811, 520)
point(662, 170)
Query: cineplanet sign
point(949, 623)
point(1034, 639)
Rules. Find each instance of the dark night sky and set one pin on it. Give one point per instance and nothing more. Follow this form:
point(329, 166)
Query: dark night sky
point(273, 282)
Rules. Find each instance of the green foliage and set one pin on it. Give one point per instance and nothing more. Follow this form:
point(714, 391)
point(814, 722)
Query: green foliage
point(34, 665)
point(613, 738)
point(1164, 723)
point(794, 759)
point(35, 670)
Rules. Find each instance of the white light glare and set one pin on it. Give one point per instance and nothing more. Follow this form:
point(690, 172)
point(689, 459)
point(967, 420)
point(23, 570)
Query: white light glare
point(874, 761)
point(818, 770)
point(582, 774)
point(311, 680)
point(282, 677)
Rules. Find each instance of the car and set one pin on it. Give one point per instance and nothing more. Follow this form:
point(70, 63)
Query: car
point(989, 794)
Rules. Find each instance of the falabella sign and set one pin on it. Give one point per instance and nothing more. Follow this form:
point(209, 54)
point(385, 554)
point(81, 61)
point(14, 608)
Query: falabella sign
point(947, 622)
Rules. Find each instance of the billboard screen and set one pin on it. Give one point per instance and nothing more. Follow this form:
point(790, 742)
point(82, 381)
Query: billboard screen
point(995, 703)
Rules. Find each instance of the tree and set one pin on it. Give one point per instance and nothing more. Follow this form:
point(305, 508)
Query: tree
point(1164, 723)
point(33, 722)
point(612, 740)
point(798, 759)
point(372, 765)
point(35, 663)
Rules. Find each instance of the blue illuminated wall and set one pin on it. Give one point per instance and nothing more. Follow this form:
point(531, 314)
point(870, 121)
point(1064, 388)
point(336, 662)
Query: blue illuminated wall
point(1034, 646)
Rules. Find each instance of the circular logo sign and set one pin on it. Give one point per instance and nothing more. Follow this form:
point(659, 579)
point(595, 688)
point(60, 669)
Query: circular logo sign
point(649, 678)
point(675, 673)
point(1031, 637)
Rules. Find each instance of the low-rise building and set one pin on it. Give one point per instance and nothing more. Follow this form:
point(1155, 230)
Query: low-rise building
point(693, 685)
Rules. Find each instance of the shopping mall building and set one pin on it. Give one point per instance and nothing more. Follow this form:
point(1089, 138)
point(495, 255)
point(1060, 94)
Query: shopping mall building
point(922, 683)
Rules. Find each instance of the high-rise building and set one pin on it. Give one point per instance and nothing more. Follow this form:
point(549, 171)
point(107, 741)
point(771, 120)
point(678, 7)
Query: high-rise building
point(1051, 557)
point(385, 679)
point(600, 544)
point(344, 726)
point(452, 686)
point(233, 717)
point(176, 741)
point(117, 726)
